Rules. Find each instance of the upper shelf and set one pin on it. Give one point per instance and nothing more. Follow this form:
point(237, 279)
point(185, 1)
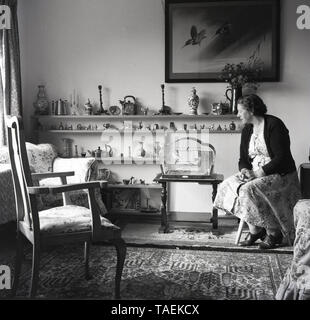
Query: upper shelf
point(142, 117)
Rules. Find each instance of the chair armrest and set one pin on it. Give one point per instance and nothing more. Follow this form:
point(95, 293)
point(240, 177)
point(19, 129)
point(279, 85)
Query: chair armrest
point(39, 176)
point(64, 188)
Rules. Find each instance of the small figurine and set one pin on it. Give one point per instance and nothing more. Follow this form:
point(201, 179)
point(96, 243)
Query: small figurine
point(172, 126)
point(193, 102)
point(144, 110)
point(225, 128)
point(88, 108)
point(61, 127)
point(219, 128)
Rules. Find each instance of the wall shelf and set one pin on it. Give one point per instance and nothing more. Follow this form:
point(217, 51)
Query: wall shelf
point(134, 186)
point(134, 131)
point(142, 117)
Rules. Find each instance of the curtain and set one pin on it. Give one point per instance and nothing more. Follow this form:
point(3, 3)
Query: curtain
point(10, 78)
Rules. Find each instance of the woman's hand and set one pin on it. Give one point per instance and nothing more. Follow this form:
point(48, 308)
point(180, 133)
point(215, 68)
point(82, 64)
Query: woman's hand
point(246, 175)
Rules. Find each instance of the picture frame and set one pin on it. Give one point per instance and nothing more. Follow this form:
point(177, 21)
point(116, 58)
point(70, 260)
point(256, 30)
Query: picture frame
point(202, 36)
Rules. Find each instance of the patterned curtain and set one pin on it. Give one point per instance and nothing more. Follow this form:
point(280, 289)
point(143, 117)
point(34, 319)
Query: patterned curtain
point(10, 79)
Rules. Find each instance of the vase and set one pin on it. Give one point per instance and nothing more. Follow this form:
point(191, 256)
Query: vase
point(140, 151)
point(193, 102)
point(41, 104)
point(235, 94)
point(232, 126)
point(157, 149)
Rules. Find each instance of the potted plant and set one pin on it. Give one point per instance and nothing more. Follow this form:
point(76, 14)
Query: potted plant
point(239, 76)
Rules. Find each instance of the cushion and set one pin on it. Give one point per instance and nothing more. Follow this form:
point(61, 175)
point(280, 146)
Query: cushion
point(68, 219)
point(85, 169)
point(41, 157)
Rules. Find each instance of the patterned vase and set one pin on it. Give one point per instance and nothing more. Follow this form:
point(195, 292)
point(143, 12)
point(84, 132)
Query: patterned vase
point(193, 102)
point(41, 105)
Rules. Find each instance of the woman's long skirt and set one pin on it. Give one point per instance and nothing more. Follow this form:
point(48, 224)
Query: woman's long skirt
point(266, 202)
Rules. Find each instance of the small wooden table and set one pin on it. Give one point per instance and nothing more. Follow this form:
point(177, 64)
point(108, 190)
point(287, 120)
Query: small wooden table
point(213, 180)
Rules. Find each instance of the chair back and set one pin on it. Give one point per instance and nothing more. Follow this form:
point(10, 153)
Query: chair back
point(20, 171)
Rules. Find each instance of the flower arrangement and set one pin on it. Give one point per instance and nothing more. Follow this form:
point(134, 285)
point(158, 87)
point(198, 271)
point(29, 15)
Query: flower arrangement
point(243, 74)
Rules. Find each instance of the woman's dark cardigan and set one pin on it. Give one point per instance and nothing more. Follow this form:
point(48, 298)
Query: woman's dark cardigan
point(278, 145)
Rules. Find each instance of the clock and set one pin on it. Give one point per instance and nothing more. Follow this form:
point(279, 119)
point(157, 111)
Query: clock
point(115, 110)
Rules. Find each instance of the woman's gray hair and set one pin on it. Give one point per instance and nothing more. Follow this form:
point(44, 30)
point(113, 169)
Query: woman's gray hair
point(253, 103)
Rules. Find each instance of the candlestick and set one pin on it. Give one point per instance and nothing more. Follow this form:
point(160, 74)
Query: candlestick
point(163, 96)
point(101, 110)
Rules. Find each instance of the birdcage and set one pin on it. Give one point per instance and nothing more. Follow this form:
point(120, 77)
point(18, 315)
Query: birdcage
point(188, 155)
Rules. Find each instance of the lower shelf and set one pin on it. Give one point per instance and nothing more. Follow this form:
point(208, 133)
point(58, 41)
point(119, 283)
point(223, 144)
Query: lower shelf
point(118, 212)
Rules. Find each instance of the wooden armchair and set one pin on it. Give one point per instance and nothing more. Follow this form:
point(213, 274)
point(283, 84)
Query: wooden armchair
point(59, 225)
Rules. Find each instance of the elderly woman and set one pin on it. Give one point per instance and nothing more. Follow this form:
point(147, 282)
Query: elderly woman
point(266, 189)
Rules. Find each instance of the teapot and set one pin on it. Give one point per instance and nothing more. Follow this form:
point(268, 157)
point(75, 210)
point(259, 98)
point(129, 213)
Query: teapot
point(129, 105)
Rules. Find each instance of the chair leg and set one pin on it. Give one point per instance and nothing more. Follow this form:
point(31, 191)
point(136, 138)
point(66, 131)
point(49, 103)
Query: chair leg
point(86, 259)
point(35, 270)
point(241, 224)
point(121, 249)
point(18, 262)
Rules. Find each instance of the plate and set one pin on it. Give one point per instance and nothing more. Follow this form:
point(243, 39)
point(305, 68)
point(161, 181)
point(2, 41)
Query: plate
point(115, 110)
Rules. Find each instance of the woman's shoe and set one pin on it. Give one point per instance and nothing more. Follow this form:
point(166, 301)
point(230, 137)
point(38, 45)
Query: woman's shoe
point(252, 238)
point(271, 241)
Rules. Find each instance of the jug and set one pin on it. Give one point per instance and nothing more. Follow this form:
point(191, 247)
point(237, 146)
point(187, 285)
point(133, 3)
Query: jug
point(107, 151)
point(236, 93)
point(60, 109)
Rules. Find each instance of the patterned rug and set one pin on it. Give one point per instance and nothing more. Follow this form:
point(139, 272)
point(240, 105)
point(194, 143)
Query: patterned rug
point(156, 273)
point(184, 236)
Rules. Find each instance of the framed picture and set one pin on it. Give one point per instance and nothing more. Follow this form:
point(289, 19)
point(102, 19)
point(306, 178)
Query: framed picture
point(203, 36)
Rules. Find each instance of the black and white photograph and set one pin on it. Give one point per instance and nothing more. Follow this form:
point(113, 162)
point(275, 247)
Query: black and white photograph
point(154, 154)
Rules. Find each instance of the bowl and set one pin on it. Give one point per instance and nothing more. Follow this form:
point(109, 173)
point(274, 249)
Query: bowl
point(126, 181)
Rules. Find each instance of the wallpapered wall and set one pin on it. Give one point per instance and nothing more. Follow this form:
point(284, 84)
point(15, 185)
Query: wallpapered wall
point(67, 44)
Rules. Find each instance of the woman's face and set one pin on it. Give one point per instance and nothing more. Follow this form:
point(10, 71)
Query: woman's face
point(244, 114)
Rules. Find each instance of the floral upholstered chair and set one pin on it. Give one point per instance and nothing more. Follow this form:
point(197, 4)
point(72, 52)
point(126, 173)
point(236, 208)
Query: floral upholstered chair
point(58, 225)
point(296, 283)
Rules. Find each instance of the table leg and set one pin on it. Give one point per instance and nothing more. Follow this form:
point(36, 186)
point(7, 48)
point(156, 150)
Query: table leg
point(164, 228)
point(214, 218)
